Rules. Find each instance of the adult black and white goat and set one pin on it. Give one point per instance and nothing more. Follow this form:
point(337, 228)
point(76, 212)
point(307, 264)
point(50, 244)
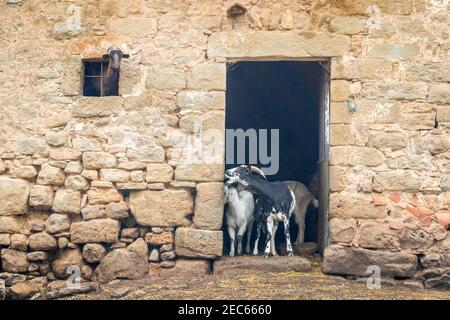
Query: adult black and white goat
point(239, 216)
point(302, 199)
point(275, 200)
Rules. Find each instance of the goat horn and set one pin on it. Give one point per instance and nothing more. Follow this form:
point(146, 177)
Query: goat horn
point(258, 171)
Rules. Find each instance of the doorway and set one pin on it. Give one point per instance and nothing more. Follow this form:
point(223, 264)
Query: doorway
point(288, 103)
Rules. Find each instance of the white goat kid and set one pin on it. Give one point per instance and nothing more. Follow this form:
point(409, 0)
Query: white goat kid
point(239, 216)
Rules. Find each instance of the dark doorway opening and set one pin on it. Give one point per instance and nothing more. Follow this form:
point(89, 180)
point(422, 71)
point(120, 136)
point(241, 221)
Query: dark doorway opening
point(291, 96)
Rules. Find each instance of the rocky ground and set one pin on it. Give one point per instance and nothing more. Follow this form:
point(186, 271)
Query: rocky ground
point(254, 284)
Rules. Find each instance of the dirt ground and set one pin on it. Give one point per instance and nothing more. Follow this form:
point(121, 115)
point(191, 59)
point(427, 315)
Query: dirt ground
point(313, 285)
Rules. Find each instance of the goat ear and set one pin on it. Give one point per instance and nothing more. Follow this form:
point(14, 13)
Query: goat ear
point(106, 56)
point(125, 55)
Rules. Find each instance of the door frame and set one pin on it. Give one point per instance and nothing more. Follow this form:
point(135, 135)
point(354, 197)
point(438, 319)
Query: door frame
point(324, 157)
point(323, 165)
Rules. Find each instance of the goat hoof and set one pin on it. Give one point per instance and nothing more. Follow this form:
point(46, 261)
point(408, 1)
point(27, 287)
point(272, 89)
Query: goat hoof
point(266, 256)
point(290, 254)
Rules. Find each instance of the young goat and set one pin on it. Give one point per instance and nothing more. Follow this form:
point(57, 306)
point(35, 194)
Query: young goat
point(302, 199)
point(278, 201)
point(239, 216)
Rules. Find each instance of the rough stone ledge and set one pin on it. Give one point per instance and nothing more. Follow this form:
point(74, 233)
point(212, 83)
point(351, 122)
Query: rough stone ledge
point(61, 290)
point(348, 261)
point(251, 264)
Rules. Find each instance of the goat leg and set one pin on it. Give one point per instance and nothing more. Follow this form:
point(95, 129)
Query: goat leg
point(288, 237)
point(258, 235)
point(231, 233)
point(249, 236)
point(269, 235)
point(301, 230)
point(240, 235)
point(273, 250)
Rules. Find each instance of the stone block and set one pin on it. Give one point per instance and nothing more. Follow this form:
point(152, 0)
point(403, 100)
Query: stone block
point(56, 138)
point(13, 196)
point(158, 239)
point(341, 230)
point(14, 261)
point(394, 90)
point(355, 261)
point(373, 235)
point(98, 160)
point(93, 252)
point(166, 78)
point(209, 204)
point(392, 140)
point(167, 208)
point(276, 43)
point(436, 71)
point(77, 183)
point(345, 206)
point(196, 243)
point(187, 268)
point(397, 180)
point(338, 181)
point(208, 76)
point(355, 156)
point(134, 26)
point(67, 201)
point(201, 100)
point(159, 173)
point(50, 175)
point(114, 175)
point(369, 111)
point(251, 265)
point(348, 24)
point(360, 68)
point(42, 241)
point(24, 172)
point(103, 196)
point(19, 242)
point(57, 223)
point(95, 231)
point(439, 93)
point(146, 154)
point(64, 154)
point(86, 144)
point(41, 197)
point(65, 259)
point(389, 50)
point(12, 224)
point(87, 107)
point(199, 172)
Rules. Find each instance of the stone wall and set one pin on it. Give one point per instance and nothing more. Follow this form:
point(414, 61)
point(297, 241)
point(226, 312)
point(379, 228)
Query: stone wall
point(90, 181)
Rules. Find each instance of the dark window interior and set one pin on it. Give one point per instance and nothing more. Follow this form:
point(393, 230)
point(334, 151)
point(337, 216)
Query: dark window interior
point(96, 82)
point(282, 95)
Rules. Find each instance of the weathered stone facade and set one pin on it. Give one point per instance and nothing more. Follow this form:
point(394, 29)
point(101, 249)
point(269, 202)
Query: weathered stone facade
point(90, 181)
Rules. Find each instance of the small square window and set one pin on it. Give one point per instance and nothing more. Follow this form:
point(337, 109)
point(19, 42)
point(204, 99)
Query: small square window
point(96, 80)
